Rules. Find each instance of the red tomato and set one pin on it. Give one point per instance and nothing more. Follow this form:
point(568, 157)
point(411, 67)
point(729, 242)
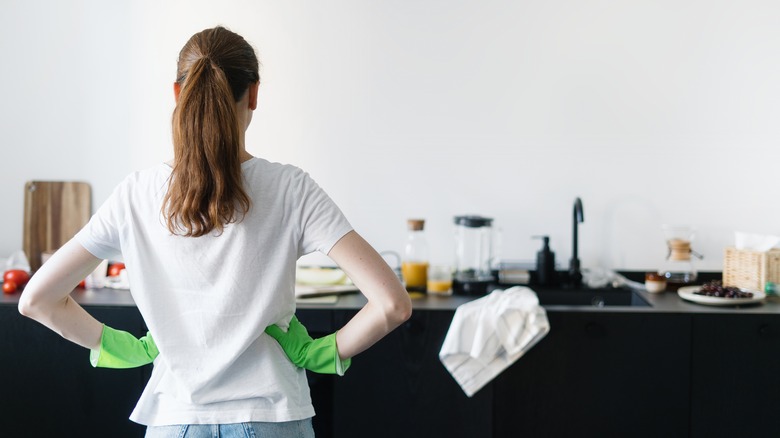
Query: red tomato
point(17, 276)
point(83, 284)
point(9, 287)
point(115, 269)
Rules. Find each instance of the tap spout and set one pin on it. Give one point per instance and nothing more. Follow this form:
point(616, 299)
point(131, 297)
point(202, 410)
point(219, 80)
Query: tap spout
point(574, 264)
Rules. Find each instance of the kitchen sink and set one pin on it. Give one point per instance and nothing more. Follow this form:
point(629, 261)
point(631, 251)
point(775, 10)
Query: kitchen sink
point(590, 297)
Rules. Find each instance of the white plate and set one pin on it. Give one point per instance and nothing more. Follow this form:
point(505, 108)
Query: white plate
point(306, 291)
point(687, 293)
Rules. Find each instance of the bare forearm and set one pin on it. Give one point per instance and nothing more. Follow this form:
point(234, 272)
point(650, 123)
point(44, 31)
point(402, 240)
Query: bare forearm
point(367, 327)
point(46, 298)
point(388, 303)
point(72, 322)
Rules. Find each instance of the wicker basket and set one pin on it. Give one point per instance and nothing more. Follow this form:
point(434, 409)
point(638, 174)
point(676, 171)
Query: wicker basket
point(750, 269)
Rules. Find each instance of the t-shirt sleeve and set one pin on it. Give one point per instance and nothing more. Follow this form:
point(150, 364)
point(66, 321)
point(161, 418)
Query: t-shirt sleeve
point(322, 222)
point(101, 234)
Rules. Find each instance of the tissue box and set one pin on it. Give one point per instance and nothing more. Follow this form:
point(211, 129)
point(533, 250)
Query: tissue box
point(750, 269)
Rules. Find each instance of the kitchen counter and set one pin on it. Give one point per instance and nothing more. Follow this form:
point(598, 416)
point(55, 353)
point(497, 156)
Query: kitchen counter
point(665, 302)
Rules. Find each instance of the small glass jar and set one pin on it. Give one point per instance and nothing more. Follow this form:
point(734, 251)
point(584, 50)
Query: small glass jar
point(655, 282)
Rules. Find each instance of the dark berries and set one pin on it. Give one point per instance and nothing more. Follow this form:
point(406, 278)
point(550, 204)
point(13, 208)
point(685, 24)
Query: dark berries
point(716, 289)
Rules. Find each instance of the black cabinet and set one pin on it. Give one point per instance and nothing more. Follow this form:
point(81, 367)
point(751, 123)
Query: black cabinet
point(735, 372)
point(320, 323)
point(596, 374)
point(400, 388)
point(50, 389)
point(599, 375)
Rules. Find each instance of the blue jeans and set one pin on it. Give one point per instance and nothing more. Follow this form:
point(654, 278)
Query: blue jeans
point(288, 429)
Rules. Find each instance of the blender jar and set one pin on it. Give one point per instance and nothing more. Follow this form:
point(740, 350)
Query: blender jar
point(473, 255)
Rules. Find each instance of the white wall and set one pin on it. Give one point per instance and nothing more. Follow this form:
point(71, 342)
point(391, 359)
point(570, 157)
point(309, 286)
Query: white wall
point(652, 111)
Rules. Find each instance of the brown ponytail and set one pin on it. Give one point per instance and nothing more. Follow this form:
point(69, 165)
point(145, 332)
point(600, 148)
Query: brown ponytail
point(205, 191)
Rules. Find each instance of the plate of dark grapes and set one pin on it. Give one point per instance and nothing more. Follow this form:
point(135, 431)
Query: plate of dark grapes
point(714, 293)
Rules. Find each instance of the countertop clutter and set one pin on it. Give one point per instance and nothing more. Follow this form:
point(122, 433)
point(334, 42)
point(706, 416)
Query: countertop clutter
point(607, 300)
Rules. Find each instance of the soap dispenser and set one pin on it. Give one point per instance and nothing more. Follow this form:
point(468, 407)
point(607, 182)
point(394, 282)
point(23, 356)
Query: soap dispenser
point(545, 263)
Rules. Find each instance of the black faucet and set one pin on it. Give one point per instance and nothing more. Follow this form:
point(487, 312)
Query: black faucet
point(575, 276)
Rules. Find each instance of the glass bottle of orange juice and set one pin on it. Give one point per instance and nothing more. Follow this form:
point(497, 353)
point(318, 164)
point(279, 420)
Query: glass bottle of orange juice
point(414, 265)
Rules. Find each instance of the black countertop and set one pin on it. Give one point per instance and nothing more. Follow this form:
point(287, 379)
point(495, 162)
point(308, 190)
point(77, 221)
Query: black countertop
point(665, 302)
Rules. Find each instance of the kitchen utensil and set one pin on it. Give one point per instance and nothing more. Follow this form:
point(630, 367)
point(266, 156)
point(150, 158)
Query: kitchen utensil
point(54, 211)
point(473, 255)
point(679, 269)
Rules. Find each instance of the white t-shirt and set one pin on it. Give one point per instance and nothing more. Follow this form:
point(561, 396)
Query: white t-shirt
point(207, 300)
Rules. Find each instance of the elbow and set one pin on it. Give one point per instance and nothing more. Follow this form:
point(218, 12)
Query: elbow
point(407, 310)
point(29, 306)
point(26, 308)
point(401, 311)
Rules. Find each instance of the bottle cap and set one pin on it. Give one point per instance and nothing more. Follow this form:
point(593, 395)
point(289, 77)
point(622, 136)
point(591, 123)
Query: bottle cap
point(416, 224)
point(545, 241)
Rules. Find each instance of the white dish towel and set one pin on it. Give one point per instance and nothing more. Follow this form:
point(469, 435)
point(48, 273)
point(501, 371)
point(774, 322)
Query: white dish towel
point(489, 334)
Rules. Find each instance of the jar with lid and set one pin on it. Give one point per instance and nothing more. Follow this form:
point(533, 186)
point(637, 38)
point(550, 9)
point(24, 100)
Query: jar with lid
point(655, 282)
point(473, 255)
point(414, 263)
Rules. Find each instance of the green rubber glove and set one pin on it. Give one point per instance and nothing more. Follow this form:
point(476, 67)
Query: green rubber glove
point(120, 349)
point(319, 355)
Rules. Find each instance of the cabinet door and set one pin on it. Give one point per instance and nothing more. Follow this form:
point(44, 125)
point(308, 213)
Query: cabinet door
point(400, 388)
point(319, 323)
point(50, 389)
point(599, 375)
point(735, 375)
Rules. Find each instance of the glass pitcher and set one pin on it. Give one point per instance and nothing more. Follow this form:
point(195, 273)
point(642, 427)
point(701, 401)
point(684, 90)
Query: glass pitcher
point(679, 268)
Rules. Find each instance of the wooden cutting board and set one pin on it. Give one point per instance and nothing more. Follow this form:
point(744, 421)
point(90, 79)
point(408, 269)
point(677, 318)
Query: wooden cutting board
point(54, 211)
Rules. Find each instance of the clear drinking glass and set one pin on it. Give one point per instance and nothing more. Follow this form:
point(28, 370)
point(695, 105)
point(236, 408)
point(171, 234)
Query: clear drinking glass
point(440, 280)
